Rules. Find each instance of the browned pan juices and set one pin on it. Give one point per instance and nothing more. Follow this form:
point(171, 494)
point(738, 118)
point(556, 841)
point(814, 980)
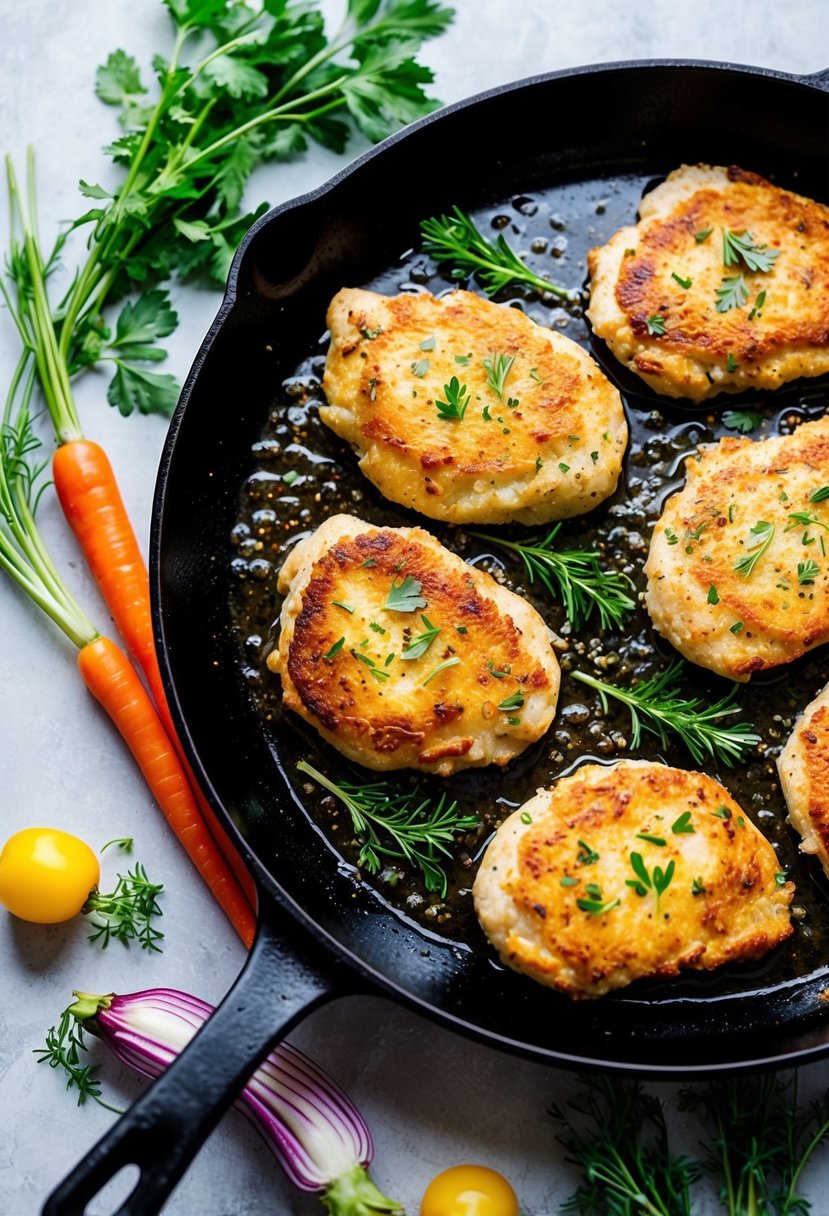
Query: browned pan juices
point(553, 228)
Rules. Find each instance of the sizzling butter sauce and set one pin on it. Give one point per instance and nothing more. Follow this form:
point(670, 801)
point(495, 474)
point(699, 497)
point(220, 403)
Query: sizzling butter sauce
point(304, 474)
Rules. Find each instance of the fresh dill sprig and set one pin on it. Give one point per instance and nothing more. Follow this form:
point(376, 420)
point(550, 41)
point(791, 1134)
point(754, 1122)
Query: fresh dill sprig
point(759, 1141)
point(657, 706)
point(456, 239)
point(576, 575)
point(617, 1134)
point(127, 913)
point(63, 1046)
point(402, 822)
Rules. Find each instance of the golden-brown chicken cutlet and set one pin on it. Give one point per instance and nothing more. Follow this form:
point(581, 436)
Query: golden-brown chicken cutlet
point(633, 870)
point(723, 285)
point(738, 567)
point(468, 411)
point(803, 766)
point(403, 656)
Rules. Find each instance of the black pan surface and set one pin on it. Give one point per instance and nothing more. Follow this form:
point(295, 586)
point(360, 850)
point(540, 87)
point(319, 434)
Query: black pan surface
point(585, 142)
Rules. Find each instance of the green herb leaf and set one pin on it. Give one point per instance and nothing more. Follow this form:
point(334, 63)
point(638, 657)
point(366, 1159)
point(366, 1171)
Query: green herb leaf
point(455, 239)
point(576, 575)
point(741, 247)
point(514, 701)
point(655, 324)
point(762, 534)
point(682, 825)
point(405, 596)
point(807, 572)
point(732, 293)
point(417, 647)
point(457, 400)
point(657, 706)
point(744, 421)
point(497, 368)
point(400, 821)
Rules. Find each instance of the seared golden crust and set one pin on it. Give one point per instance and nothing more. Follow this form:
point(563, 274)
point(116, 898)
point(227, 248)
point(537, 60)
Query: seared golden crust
point(704, 351)
point(560, 900)
point(803, 766)
point(482, 689)
point(550, 447)
point(738, 494)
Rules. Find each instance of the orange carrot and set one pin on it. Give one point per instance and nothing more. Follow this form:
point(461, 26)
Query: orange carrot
point(112, 680)
point(93, 506)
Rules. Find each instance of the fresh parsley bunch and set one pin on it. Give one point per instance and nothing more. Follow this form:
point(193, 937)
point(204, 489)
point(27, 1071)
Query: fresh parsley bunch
point(243, 84)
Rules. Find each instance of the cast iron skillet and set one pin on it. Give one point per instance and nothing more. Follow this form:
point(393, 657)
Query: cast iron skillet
point(320, 935)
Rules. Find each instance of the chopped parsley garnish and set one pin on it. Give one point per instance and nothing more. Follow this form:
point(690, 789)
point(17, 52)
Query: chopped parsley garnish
point(732, 293)
point(762, 534)
point(342, 604)
point(595, 906)
point(376, 628)
point(731, 363)
point(291, 477)
point(567, 881)
point(586, 856)
point(565, 468)
point(660, 840)
point(370, 334)
point(497, 368)
point(656, 324)
point(656, 880)
point(713, 596)
point(526, 817)
point(807, 572)
point(683, 825)
point(741, 247)
point(498, 672)
point(686, 283)
point(758, 306)
point(463, 360)
point(722, 812)
point(457, 400)
point(420, 367)
point(418, 646)
point(405, 596)
point(702, 235)
point(671, 536)
point(737, 627)
point(428, 343)
point(515, 701)
point(819, 495)
point(743, 421)
point(335, 650)
point(697, 887)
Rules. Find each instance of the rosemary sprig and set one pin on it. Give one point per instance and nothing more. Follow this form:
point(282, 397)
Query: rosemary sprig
point(456, 239)
point(402, 822)
point(63, 1045)
point(657, 706)
point(575, 575)
point(127, 913)
point(617, 1134)
point(497, 368)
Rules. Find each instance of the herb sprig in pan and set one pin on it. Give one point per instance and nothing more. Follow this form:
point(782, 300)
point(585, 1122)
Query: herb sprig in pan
point(404, 822)
point(658, 706)
point(456, 239)
point(575, 575)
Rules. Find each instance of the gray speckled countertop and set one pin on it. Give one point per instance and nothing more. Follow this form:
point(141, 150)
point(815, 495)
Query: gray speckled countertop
point(432, 1099)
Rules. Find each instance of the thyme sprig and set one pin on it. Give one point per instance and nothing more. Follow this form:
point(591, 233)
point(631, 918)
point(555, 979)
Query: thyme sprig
point(64, 1043)
point(456, 239)
point(658, 707)
point(404, 822)
point(576, 576)
point(128, 912)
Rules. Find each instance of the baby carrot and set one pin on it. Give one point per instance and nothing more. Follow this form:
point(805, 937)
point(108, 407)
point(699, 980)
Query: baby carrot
point(105, 668)
point(112, 680)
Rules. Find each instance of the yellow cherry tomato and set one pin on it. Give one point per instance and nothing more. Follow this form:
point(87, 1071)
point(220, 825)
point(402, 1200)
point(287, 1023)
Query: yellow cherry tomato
point(469, 1190)
point(46, 875)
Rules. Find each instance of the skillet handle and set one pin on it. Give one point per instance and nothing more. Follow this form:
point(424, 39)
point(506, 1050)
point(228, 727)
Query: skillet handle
point(164, 1129)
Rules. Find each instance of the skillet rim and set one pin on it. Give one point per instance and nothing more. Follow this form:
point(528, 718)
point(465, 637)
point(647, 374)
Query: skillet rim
point(380, 983)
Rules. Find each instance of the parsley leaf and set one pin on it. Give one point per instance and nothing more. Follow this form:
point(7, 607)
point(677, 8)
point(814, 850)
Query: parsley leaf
point(741, 247)
point(732, 293)
point(457, 400)
point(743, 421)
point(405, 596)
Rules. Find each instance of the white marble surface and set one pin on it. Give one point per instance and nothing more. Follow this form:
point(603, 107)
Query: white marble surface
point(432, 1099)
